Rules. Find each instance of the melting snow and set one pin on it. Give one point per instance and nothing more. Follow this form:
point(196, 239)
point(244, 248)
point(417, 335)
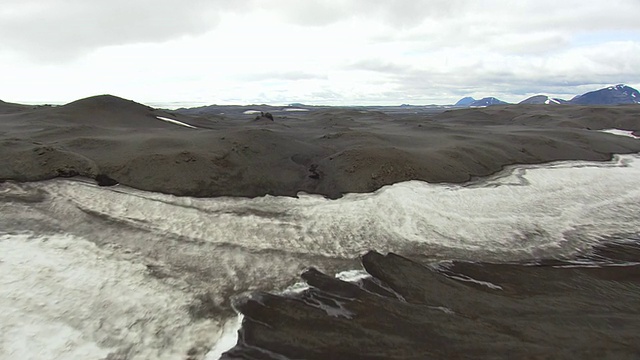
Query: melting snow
point(62, 297)
point(352, 275)
point(175, 122)
point(628, 133)
point(228, 338)
point(295, 109)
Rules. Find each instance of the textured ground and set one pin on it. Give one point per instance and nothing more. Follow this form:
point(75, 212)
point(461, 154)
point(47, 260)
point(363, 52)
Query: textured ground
point(329, 151)
point(119, 273)
point(456, 310)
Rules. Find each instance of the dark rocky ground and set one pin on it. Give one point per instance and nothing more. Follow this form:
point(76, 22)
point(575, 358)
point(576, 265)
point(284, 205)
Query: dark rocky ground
point(455, 310)
point(411, 308)
point(327, 151)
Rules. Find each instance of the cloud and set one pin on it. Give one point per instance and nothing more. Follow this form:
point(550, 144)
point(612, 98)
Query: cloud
point(482, 17)
point(378, 65)
point(62, 29)
point(399, 13)
point(282, 76)
point(350, 51)
point(461, 71)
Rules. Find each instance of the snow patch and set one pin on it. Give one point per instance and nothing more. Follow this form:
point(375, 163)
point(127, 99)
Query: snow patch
point(228, 338)
point(296, 288)
point(465, 278)
point(173, 121)
point(62, 297)
point(619, 132)
point(353, 276)
point(252, 112)
point(552, 199)
point(295, 110)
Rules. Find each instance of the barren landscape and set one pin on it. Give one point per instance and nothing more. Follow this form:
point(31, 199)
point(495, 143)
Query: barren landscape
point(138, 233)
point(328, 151)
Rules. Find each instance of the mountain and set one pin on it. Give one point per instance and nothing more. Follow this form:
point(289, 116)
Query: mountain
point(106, 103)
point(115, 112)
point(465, 101)
point(612, 95)
point(488, 101)
point(542, 99)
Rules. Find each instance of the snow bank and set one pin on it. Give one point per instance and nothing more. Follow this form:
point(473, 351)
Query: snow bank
point(62, 297)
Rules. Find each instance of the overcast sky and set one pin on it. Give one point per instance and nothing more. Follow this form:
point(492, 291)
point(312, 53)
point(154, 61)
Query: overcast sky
point(314, 51)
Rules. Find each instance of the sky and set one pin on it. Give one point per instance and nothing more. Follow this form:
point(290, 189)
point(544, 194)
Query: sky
point(324, 52)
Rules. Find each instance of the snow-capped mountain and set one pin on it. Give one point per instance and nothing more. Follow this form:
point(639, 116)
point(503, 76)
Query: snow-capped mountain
point(488, 101)
point(542, 99)
point(612, 95)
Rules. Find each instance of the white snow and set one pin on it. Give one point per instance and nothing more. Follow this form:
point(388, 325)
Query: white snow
point(227, 338)
point(627, 133)
point(352, 275)
point(555, 101)
point(296, 288)
point(295, 109)
point(173, 121)
point(252, 112)
point(61, 297)
point(547, 101)
point(551, 200)
point(479, 282)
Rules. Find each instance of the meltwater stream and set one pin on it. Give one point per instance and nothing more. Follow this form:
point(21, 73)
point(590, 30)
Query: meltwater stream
point(118, 273)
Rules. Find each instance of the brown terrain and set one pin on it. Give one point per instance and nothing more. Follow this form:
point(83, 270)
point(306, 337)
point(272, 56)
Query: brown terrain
point(329, 151)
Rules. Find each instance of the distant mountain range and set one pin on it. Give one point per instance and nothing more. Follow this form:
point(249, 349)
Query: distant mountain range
point(465, 101)
point(612, 95)
point(471, 102)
